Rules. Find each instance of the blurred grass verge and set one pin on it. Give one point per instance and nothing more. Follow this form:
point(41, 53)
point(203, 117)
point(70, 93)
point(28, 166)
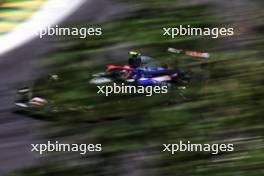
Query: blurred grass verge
point(226, 107)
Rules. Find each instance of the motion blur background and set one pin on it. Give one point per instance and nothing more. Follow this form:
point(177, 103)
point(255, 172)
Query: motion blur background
point(223, 105)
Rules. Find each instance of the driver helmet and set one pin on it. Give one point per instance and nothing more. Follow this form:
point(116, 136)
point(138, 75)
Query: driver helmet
point(135, 59)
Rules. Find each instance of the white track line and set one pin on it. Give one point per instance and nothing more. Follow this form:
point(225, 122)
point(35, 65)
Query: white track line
point(52, 12)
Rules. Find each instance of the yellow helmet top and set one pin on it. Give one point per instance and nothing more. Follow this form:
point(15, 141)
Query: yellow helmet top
point(134, 53)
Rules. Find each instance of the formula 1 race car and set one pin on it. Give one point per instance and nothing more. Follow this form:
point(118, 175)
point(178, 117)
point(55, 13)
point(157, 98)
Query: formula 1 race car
point(138, 73)
point(141, 76)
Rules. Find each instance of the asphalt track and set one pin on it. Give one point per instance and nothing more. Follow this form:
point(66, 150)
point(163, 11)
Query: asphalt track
point(19, 67)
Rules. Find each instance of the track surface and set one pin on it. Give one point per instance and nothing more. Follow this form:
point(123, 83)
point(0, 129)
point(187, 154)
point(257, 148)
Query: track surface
point(19, 66)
